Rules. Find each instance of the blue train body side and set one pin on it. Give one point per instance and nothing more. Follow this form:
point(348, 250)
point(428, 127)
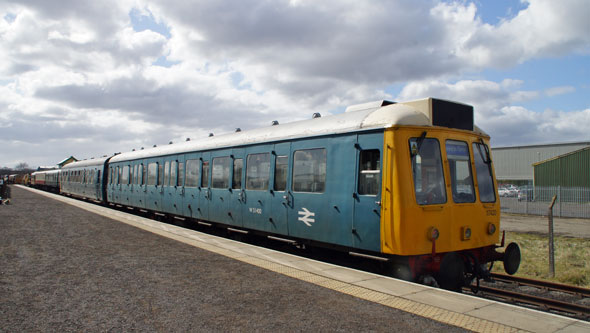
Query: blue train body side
point(335, 214)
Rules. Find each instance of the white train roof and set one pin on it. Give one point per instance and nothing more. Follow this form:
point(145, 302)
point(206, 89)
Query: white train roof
point(374, 115)
point(85, 163)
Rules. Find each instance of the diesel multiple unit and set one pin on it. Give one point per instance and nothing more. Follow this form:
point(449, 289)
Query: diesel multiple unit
point(410, 184)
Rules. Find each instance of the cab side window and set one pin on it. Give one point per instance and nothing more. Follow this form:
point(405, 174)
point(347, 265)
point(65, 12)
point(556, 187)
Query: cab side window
point(369, 179)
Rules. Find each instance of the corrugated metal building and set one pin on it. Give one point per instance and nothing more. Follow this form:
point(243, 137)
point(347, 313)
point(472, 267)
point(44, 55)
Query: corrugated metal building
point(515, 164)
point(567, 170)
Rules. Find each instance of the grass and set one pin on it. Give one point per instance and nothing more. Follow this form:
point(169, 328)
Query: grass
point(572, 258)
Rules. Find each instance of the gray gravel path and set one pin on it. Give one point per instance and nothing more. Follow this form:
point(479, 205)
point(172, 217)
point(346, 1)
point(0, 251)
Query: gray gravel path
point(65, 269)
point(569, 227)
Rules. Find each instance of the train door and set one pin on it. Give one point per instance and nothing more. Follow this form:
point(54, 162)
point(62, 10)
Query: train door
point(280, 197)
point(125, 186)
point(220, 186)
point(367, 196)
point(236, 194)
point(152, 195)
point(309, 211)
point(174, 191)
point(192, 182)
point(167, 190)
point(205, 187)
point(141, 185)
point(97, 182)
point(256, 195)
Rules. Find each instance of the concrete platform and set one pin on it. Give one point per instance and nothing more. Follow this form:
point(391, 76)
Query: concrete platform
point(454, 309)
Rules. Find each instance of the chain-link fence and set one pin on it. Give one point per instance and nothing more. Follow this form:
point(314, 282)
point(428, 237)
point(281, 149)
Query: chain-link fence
point(571, 201)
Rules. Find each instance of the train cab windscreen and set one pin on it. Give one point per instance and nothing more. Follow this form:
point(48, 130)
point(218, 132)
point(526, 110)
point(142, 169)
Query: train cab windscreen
point(483, 169)
point(460, 169)
point(427, 171)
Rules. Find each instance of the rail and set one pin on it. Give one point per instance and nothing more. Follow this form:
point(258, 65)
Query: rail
point(579, 311)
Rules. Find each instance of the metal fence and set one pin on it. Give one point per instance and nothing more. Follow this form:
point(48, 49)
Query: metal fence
point(571, 201)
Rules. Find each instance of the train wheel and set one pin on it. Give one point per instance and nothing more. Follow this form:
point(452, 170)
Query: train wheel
point(452, 272)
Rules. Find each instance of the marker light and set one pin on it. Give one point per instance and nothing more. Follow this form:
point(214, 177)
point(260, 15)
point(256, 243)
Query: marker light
point(465, 233)
point(433, 234)
point(491, 228)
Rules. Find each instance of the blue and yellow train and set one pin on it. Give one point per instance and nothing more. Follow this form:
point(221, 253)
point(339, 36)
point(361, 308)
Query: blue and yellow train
point(410, 184)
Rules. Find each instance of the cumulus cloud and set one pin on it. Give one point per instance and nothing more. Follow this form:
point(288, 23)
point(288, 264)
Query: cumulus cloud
point(498, 113)
point(83, 72)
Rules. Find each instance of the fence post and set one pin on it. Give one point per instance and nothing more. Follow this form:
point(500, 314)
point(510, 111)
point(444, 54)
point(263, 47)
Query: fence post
point(559, 198)
point(551, 249)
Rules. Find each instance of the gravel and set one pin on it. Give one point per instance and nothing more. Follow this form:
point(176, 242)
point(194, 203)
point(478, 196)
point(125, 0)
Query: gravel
point(66, 269)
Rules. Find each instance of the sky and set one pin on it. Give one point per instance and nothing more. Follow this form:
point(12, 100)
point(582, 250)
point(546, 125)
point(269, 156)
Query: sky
point(92, 78)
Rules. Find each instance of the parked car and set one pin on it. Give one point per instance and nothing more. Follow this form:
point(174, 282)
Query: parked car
point(525, 192)
point(503, 192)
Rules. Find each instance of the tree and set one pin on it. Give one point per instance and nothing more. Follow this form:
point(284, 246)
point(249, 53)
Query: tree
point(22, 166)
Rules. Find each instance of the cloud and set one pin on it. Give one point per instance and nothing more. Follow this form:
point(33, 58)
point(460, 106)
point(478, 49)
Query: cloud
point(555, 91)
point(86, 70)
point(498, 113)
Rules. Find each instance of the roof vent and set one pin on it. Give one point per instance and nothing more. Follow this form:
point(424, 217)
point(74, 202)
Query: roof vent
point(370, 105)
point(275, 122)
point(188, 139)
point(210, 134)
point(133, 149)
point(316, 115)
point(238, 129)
point(141, 148)
point(155, 146)
point(170, 142)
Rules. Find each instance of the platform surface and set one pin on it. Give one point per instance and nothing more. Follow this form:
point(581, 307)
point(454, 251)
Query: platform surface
point(249, 287)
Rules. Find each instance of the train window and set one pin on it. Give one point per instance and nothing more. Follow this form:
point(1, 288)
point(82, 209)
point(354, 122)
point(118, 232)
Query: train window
point(460, 169)
point(166, 173)
point(152, 173)
point(180, 174)
point(192, 173)
point(427, 171)
point(160, 174)
point(125, 175)
point(131, 174)
point(140, 175)
point(369, 172)
point(173, 171)
point(483, 171)
point(236, 182)
point(135, 175)
point(143, 175)
point(220, 172)
point(258, 171)
point(281, 173)
point(205, 175)
point(309, 170)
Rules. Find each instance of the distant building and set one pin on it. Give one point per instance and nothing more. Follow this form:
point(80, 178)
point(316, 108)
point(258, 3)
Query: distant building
point(67, 161)
point(567, 170)
point(514, 165)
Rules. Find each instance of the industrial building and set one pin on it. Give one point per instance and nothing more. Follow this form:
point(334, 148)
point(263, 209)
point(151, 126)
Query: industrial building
point(569, 170)
point(514, 165)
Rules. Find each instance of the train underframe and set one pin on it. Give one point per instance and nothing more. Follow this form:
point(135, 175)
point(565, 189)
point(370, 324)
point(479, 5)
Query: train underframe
point(454, 270)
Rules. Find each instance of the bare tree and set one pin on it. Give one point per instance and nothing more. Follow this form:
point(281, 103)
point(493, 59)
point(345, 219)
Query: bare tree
point(22, 166)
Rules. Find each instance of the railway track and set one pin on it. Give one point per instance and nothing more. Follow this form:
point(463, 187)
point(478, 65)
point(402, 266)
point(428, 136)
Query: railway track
point(545, 295)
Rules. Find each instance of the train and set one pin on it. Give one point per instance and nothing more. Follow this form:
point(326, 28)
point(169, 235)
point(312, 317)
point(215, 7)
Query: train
point(410, 185)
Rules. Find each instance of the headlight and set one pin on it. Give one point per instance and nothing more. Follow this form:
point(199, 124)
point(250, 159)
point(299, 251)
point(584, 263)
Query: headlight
point(433, 234)
point(465, 233)
point(491, 228)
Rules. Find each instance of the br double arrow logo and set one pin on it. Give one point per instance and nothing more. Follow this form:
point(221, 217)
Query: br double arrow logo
point(306, 216)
